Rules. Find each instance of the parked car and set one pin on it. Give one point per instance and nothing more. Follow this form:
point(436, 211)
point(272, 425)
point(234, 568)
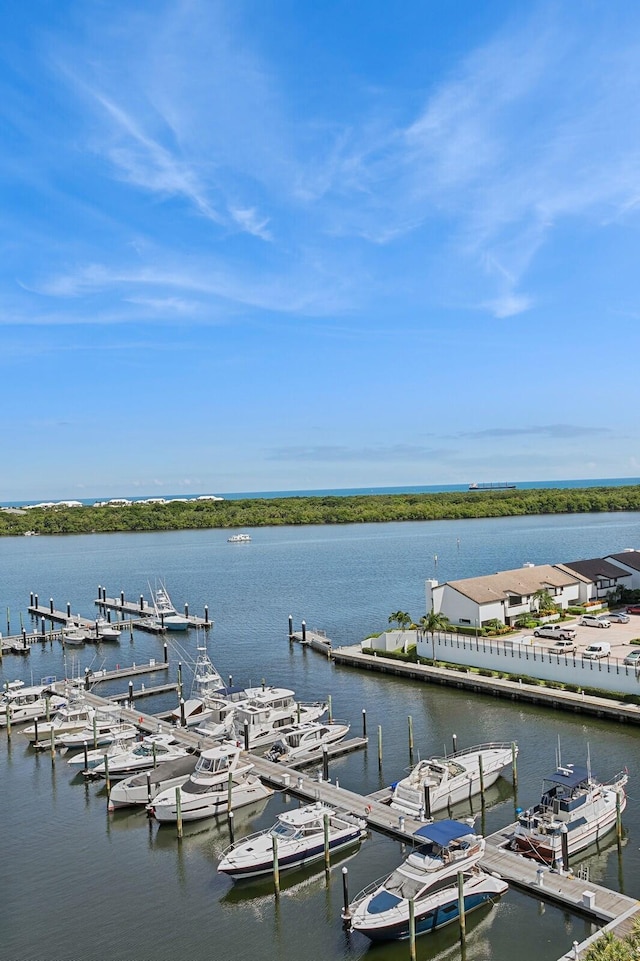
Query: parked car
point(634, 609)
point(590, 620)
point(620, 617)
point(594, 651)
point(562, 646)
point(556, 631)
point(632, 659)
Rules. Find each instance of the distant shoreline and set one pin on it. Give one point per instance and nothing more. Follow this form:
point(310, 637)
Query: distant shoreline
point(184, 514)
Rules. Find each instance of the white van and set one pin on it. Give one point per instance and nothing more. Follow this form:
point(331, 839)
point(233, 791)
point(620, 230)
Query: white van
point(594, 651)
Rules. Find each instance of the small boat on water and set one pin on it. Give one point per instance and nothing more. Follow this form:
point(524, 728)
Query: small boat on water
point(24, 703)
point(105, 631)
point(124, 760)
point(73, 634)
point(239, 539)
point(428, 879)
point(308, 738)
point(165, 614)
point(105, 729)
point(139, 789)
point(221, 781)
point(75, 715)
point(437, 782)
point(574, 804)
point(299, 840)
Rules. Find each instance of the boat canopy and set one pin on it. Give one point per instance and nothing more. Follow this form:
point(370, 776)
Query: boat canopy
point(443, 832)
point(570, 777)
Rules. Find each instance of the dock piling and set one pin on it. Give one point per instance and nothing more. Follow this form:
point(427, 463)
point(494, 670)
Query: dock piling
point(231, 829)
point(304, 632)
point(455, 743)
point(327, 850)
point(410, 723)
point(514, 764)
point(461, 913)
point(364, 722)
point(380, 747)
point(325, 762)
point(183, 720)
point(412, 930)
point(246, 735)
point(130, 694)
point(178, 813)
point(330, 708)
point(346, 913)
point(290, 627)
point(276, 869)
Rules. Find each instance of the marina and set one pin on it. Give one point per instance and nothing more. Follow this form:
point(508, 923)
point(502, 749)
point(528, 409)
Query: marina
point(250, 648)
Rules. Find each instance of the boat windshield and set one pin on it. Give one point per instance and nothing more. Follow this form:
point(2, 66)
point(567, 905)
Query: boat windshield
point(281, 830)
point(403, 886)
point(211, 765)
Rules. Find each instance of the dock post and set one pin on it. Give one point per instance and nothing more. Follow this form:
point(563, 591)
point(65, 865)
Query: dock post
point(149, 796)
point(412, 930)
point(179, 681)
point(290, 627)
point(304, 632)
point(43, 629)
point(154, 752)
point(461, 914)
point(130, 693)
point(330, 708)
point(618, 818)
point(564, 840)
point(165, 652)
point(178, 813)
point(85, 755)
point(8, 713)
point(35, 730)
point(263, 683)
point(53, 744)
point(50, 609)
point(142, 602)
point(186, 610)
point(246, 735)
point(31, 599)
point(276, 869)
point(427, 802)
point(298, 709)
point(121, 598)
point(95, 733)
point(206, 614)
point(327, 849)
point(514, 764)
point(107, 779)
point(346, 913)
point(232, 836)
point(325, 762)
point(364, 722)
point(229, 791)
point(410, 723)
point(68, 609)
point(231, 680)
point(454, 738)
point(380, 747)
point(183, 720)
point(481, 772)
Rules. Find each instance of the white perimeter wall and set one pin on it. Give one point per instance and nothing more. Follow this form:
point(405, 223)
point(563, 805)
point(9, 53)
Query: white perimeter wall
point(607, 674)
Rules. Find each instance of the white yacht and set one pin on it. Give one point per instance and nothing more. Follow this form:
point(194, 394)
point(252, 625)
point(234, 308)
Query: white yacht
point(267, 710)
point(166, 615)
point(105, 631)
point(308, 738)
point(73, 634)
point(222, 781)
point(574, 804)
point(239, 539)
point(141, 788)
point(207, 683)
point(436, 782)
point(75, 715)
point(131, 759)
point(105, 729)
point(428, 879)
point(23, 703)
point(299, 840)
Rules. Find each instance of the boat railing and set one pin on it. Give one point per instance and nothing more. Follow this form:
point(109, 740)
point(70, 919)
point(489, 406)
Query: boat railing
point(244, 840)
point(488, 746)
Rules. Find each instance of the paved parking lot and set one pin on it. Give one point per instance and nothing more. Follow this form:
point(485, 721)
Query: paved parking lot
point(622, 637)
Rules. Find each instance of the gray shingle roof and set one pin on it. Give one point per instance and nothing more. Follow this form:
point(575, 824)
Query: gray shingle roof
point(523, 581)
point(630, 558)
point(596, 568)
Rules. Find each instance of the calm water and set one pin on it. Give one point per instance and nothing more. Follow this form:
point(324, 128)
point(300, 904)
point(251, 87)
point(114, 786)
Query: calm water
point(79, 883)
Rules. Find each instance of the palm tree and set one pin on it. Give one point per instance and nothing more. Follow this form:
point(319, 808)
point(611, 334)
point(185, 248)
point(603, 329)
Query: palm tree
point(401, 618)
point(432, 622)
point(543, 601)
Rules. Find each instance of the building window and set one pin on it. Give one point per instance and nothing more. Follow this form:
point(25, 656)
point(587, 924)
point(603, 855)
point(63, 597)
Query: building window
point(464, 620)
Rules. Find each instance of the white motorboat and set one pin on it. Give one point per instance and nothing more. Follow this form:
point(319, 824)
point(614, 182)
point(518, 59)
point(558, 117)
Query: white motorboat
point(75, 715)
point(87, 761)
point(308, 738)
point(239, 539)
point(104, 730)
point(138, 789)
point(217, 714)
point(300, 839)
point(105, 631)
point(437, 782)
point(260, 718)
point(73, 634)
point(166, 615)
point(222, 781)
point(575, 810)
point(428, 878)
point(147, 753)
point(23, 704)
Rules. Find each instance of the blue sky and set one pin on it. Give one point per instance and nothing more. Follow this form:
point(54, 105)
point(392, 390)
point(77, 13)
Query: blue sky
point(280, 245)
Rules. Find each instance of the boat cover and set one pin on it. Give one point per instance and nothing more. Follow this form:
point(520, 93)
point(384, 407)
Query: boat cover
point(443, 832)
point(570, 777)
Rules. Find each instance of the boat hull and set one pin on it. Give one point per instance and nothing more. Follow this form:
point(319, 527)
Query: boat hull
point(289, 860)
point(196, 807)
point(547, 847)
point(434, 913)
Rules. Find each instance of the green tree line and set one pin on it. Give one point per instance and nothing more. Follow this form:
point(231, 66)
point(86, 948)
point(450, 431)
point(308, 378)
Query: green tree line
point(278, 511)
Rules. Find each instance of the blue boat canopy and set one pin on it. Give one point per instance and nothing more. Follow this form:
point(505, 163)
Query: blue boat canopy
point(569, 776)
point(443, 832)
